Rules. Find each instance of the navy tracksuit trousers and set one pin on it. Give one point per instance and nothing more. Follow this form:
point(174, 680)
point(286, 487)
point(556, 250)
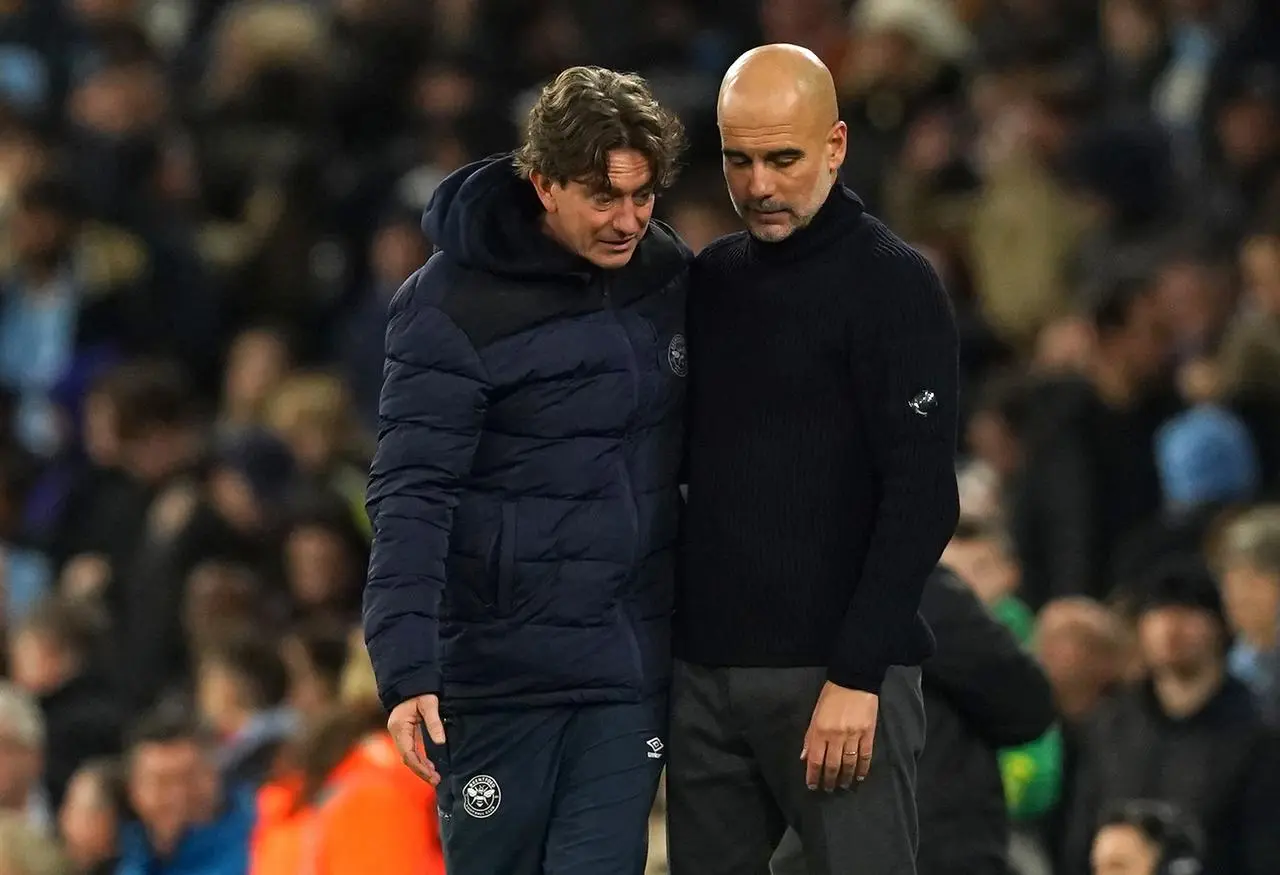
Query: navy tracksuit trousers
point(550, 791)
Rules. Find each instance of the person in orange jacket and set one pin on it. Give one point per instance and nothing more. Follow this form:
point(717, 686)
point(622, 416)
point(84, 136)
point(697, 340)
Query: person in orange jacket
point(350, 806)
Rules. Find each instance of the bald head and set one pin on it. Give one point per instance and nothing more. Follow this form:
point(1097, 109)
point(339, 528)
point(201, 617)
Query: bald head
point(782, 138)
point(780, 82)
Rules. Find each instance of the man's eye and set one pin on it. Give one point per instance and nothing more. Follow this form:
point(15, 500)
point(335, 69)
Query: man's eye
point(643, 197)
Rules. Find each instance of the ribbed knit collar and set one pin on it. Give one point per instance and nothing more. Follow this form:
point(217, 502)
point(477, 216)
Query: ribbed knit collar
point(833, 220)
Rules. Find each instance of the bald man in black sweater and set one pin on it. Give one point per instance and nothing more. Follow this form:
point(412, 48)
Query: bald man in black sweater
point(822, 490)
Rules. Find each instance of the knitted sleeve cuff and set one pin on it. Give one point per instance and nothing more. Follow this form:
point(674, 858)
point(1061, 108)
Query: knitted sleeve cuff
point(865, 678)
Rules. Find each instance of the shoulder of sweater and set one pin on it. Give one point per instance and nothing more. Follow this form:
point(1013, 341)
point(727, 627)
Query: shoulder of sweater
point(721, 247)
point(901, 278)
point(885, 252)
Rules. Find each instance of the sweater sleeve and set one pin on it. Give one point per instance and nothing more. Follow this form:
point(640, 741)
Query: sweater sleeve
point(431, 413)
point(905, 375)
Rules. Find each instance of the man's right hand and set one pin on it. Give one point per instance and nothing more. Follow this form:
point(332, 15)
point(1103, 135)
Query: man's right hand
point(405, 725)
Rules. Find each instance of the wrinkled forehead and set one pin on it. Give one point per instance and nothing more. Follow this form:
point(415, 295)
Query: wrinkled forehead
point(759, 127)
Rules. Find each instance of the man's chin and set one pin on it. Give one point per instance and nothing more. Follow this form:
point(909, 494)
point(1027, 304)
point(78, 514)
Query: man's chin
point(610, 258)
point(770, 232)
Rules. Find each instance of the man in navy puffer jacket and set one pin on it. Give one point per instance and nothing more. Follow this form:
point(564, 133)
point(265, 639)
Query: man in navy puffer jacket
point(524, 495)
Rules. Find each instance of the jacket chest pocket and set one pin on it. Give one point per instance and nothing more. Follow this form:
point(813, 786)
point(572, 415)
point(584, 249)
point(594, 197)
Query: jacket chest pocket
point(505, 559)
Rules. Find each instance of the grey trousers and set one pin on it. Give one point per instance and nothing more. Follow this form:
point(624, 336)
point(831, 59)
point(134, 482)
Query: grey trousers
point(735, 780)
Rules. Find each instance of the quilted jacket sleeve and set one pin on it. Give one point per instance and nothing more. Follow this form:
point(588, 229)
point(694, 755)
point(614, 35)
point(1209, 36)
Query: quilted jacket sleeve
point(431, 413)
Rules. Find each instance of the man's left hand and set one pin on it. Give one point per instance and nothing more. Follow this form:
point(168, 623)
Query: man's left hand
point(842, 731)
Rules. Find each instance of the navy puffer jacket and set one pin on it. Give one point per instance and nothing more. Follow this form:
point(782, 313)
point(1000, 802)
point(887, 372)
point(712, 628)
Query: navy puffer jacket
point(524, 495)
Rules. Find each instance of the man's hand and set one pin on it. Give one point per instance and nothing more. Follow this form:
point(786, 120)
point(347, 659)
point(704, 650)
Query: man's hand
point(405, 725)
point(842, 731)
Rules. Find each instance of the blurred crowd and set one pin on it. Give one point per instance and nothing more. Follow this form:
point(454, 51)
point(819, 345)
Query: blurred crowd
point(205, 206)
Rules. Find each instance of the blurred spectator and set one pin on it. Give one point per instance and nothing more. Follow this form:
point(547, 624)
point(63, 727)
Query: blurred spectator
point(900, 60)
point(149, 440)
point(1188, 708)
point(92, 813)
point(55, 658)
point(982, 559)
point(398, 249)
point(998, 434)
point(1027, 223)
point(1208, 469)
point(1083, 648)
point(25, 574)
point(983, 692)
point(325, 555)
point(351, 789)
point(1124, 172)
point(314, 415)
point(64, 301)
point(316, 655)
point(1249, 557)
point(1086, 654)
point(1246, 121)
point(1132, 51)
point(222, 598)
point(700, 220)
point(252, 477)
point(28, 851)
point(1146, 838)
point(1205, 456)
point(241, 686)
point(22, 759)
point(256, 364)
point(188, 823)
point(1091, 477)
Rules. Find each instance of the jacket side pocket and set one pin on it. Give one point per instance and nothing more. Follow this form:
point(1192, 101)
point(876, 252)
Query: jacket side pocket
point(438, 754)
point(506, 559)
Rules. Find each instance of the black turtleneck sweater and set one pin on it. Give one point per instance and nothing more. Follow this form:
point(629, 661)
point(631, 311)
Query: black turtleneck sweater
point(822, 438)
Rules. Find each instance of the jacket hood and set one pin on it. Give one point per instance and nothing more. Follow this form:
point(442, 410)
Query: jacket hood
point(485, 217)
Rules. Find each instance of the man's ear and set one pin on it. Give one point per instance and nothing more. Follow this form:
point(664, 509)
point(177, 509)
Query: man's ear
point(546, 190)
point(838, 144)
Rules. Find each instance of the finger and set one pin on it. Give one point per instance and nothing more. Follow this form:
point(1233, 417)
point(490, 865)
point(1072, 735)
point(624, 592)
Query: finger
point(813, 764)
point(405, 736)
point(848, 762)
point(421, 766)
point(831, 766)
point(430, 774)
point(864, 754)
point(430, 710)
point(424, 769)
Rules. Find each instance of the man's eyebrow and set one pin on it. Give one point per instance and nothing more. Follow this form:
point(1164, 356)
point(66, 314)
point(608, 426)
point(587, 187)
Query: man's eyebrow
point(611, 191)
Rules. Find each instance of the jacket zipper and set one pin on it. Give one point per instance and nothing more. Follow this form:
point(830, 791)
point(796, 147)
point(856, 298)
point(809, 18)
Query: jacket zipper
point(628, 488)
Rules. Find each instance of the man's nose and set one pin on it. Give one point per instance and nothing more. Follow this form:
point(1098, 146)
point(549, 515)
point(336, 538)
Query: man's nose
point(626, 220)
point(760, 183)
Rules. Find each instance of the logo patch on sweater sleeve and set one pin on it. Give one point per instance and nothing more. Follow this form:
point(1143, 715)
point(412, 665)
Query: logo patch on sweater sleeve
point(923, 402)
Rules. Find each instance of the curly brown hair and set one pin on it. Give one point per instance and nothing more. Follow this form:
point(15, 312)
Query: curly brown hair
point(586, 113)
